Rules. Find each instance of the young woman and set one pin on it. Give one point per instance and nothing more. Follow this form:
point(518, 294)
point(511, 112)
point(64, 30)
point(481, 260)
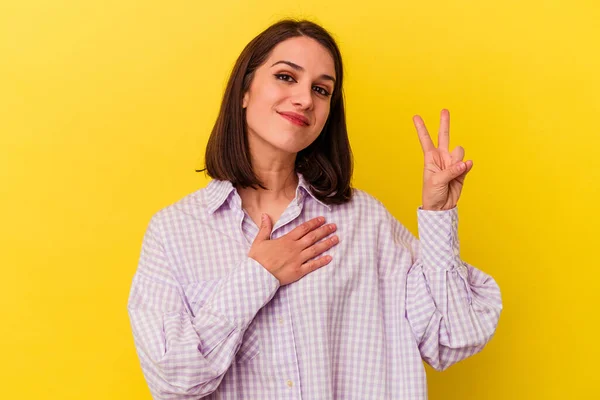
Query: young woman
point(278, 280)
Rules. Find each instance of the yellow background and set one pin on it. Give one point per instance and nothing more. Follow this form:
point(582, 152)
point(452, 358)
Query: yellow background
point(105, 109)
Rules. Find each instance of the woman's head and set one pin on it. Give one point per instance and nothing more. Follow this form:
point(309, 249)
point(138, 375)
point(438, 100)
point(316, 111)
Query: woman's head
point(288, 101)
point(285, 94)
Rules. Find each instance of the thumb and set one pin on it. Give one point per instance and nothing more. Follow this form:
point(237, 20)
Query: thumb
point(453, 172)
point(265, 228)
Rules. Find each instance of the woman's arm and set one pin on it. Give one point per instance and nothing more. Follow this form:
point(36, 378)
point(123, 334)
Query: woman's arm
point(452, 307)
point(185, 352)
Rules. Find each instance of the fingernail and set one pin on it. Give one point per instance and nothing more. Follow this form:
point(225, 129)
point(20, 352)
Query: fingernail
point(263, 216)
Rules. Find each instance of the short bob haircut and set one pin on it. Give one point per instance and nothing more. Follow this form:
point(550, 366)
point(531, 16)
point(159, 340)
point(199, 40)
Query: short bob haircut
point(326, 164)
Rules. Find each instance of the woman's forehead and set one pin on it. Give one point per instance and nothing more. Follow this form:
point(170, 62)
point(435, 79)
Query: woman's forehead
point(305, 52)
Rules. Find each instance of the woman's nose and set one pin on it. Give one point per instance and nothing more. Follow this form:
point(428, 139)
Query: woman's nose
point(303, 97)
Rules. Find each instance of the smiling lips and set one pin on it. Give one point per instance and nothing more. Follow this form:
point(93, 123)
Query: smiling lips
point(295, 118)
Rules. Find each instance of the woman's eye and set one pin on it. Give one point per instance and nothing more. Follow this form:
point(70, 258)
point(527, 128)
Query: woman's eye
point(284, 77)
point(289, 78)
point(320, 90)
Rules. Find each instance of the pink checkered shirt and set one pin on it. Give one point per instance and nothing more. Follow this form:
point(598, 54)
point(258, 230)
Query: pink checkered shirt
point(210, 322)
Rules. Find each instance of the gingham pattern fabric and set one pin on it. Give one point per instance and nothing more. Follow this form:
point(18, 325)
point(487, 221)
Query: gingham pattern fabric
point(210, 322)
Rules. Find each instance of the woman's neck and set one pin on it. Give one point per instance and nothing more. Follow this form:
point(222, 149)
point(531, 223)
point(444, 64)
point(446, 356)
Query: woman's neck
point(280, 183)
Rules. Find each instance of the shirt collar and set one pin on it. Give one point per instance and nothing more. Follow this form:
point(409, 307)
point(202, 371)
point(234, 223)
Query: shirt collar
point(218, 192)
point(303, 189)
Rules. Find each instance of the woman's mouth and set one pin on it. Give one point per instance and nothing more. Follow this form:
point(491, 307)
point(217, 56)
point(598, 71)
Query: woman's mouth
point(294, 118)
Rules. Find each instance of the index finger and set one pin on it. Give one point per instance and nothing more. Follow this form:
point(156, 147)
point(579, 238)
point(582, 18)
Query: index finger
point(424, 138)
point(444, 133)
point(306, 227)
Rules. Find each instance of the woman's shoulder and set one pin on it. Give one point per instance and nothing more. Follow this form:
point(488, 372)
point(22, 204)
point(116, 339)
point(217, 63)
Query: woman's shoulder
point(192, 205)
point(363, 201)
point(364, 198)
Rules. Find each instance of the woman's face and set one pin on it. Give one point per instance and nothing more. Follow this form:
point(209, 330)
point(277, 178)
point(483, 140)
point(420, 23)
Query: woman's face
point(288, 101)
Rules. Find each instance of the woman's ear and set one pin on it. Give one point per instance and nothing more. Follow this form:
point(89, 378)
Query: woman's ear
point(245, 100)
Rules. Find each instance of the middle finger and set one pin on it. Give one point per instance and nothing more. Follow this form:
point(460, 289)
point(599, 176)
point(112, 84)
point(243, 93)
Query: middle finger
point(426, 142)
point(319, 248)
point(316, 235)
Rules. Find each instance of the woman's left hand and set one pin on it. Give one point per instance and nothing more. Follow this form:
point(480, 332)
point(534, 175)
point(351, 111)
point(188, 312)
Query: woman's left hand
point(444, 172)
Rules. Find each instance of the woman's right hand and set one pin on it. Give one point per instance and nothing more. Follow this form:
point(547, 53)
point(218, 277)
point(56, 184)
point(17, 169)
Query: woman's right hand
point(287, 257)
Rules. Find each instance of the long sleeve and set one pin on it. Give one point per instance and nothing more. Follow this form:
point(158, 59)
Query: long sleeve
point(452, 307)
point(185, 346)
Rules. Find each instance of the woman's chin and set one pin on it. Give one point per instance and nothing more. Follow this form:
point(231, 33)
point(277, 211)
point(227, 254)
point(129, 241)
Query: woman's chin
point(292, 146)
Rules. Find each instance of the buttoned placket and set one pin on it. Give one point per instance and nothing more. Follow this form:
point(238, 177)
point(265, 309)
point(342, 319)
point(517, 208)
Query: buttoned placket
point(285, 358)
point(285, 355)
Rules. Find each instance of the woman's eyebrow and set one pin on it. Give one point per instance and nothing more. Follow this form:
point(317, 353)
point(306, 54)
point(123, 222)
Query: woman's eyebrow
point(299, 68)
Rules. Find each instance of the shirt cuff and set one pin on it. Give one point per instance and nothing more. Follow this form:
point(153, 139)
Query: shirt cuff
point(247, 288)
point(438, 237)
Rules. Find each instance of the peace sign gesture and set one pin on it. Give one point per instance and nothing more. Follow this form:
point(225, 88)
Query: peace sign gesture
point(444, 173)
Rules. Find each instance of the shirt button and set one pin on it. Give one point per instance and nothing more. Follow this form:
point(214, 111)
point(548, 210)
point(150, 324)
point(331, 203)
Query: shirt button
point(289, 383)
point(280, 320)
point(456, 252)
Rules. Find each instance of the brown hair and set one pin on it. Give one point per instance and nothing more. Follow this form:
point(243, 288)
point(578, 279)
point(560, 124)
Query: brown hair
point(326, 164)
